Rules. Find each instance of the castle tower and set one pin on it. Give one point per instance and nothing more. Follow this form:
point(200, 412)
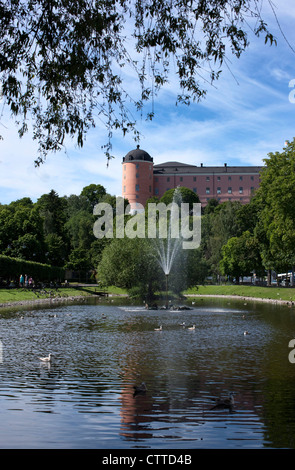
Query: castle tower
point(137, 177)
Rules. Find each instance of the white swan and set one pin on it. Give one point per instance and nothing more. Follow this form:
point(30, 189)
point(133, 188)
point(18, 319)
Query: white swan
point(46, 359)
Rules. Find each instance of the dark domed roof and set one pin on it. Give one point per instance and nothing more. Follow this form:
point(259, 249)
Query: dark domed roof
point(137, 154)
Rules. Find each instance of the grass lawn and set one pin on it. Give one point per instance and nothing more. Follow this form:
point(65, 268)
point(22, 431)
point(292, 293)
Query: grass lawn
point(276, 293)
point(16, 295)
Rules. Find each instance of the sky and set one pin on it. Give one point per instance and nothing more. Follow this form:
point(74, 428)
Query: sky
point(248, 113)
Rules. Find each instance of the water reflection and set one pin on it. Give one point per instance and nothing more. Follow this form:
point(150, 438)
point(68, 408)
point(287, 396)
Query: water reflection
point(84, 397)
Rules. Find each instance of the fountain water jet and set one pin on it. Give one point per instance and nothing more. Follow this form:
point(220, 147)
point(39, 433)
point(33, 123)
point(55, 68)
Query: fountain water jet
point(167, 250)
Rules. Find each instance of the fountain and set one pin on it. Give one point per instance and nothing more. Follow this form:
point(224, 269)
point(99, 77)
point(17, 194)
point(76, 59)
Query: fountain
point(168, 247)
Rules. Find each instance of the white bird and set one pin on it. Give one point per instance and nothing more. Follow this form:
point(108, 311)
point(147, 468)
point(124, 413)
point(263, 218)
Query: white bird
point(192, 327)
point(246, 333)
point(46, 359)
point(158, 329)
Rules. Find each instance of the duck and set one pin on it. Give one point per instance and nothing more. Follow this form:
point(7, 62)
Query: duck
point(158, 329)
point(246, 333)
point(192, 327)
point(140, 389)
point(182, 324)
point(225, 402)
point(46, 359)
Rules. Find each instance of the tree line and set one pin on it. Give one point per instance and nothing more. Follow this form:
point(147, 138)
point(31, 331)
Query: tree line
point(237, 240)
point(55, 231)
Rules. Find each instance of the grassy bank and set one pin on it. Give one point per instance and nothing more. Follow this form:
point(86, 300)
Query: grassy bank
point(20, 295)
point(273, 293)
point(9, 296)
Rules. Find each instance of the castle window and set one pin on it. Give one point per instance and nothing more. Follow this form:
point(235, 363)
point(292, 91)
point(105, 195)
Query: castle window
point(124, 167)
point(137, 165)
point(137, 187)
point(218, 190)
point(229, 190)
point(207, 178)
point(252, 178)
point(195, 190)
point(156, 191)
point(156, 179)
point(168, 179)
point(207, 190)
point(218, 178)
point(124, 189)
point(195, 178)
point(241, 178)
point(241, 190)
point(137, 175)
point(181, 178)
point(229, 178)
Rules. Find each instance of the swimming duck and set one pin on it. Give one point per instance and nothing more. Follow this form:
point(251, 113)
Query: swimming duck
point(192, 327)
point(222, 403)
point(139, 389)
point(158, 329)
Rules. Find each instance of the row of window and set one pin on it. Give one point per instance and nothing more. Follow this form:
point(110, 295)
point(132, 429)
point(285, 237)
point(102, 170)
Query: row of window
point(137, 176)
point(137, 188)
point(208, 190)
point(137, 166)
point(208, 178)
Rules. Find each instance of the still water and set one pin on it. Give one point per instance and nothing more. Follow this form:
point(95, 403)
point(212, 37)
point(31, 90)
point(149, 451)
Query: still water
point(84, 397)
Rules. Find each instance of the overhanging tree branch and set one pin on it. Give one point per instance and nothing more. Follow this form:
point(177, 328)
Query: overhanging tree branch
point(62, 62)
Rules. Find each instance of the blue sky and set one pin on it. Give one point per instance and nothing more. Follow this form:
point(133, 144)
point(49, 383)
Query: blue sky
point(245, 115)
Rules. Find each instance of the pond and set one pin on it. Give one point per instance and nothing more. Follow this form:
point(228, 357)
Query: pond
point(84, 398)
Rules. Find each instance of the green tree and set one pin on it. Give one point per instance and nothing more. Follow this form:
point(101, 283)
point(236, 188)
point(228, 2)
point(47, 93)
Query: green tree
point(130, 264)
point(79, 228)
point(93, 193)
point(217, 228)
point(55, 250)
point(52, 209)
point(60, 62)
point(21, 230)
point(276, 194)
point(186, 195)
point(79, 261)
point(75, 204)
point(241, 257)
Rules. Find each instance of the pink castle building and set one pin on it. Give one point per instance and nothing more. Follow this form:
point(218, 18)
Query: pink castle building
point(142, 179)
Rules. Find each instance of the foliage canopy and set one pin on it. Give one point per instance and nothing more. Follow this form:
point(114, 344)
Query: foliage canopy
point(62, 61)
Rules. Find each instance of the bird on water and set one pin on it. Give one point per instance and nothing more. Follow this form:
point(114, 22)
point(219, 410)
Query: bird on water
point(139, 389)
point(222, 403)
point(46, 359)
